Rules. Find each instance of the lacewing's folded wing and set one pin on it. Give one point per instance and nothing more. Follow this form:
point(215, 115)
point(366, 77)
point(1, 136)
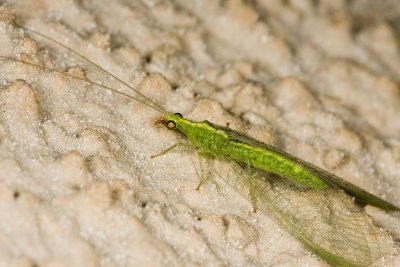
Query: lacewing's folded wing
point(360, 194)
point(326, 221)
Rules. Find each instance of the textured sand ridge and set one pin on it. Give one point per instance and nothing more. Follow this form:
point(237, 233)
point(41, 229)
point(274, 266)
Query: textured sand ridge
point(319, 79)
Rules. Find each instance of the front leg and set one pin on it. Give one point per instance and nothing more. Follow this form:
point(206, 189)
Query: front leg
point(179, 144)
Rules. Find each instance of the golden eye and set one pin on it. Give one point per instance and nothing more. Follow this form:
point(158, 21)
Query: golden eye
point(171, 125)
point(178, 114)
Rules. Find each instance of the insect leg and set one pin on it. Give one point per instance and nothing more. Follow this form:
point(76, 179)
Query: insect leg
point(201, 174)
point(250, 180)
point(252, 190)
point(248, 177)
point(205, 169)
point(179, 144)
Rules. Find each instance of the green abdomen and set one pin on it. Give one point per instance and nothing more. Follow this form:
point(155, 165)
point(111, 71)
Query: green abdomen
point(274, 162)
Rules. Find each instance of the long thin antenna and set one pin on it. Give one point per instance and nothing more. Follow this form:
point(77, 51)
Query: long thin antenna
point(96, 65)
point(85, 80)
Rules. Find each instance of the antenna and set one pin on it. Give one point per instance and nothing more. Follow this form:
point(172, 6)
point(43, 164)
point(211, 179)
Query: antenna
point(154, 104)
point(85, 80)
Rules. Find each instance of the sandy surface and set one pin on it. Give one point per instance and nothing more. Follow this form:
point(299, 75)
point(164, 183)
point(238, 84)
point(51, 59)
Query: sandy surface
point(77, 186)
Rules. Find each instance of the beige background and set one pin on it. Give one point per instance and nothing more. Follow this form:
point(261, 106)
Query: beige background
point(318, 79)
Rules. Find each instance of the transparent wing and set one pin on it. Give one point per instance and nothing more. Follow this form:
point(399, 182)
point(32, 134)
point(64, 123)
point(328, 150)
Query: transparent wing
point(331, 179)
point(326, 221)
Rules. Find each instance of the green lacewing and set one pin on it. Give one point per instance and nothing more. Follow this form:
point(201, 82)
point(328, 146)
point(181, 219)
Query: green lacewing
point(315, 206)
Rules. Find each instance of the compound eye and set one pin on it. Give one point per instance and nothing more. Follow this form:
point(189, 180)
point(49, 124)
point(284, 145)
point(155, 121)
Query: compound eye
point(178, 114)
point(171, 125)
